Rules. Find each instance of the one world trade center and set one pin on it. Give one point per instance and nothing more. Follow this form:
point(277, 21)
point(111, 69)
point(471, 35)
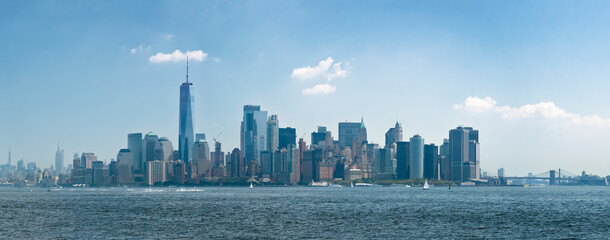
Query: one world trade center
point(186, 118)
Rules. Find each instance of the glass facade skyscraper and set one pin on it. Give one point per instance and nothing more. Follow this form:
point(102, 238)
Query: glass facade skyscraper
point(186, 134)
point(253, 132)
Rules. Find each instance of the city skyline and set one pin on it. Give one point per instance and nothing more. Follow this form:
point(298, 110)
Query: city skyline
point(89, 98)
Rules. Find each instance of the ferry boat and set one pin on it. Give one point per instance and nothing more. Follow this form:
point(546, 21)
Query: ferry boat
point(318, 184)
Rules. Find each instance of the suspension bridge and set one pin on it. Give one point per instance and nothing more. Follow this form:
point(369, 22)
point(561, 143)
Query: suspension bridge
point(553, 176)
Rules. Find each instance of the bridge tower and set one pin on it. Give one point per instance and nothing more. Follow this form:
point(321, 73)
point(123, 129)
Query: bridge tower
point(552, 180)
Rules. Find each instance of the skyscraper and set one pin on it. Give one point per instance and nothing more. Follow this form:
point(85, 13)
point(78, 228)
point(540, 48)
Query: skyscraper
point(393, 135)
point(402, 160)
point(134, 144)
point(350, 132)
point(164, 150)
point(253, 137)
point(125, 161)
point(464, 162)
point(87, 159)
point(416, 157)
point(431, 169)
point(287, 137)
point(186, 134)
point(237, 164)
point(322, 138)
point(59, 161)
point(273, 133)
point(148, 148)
point(201, 157)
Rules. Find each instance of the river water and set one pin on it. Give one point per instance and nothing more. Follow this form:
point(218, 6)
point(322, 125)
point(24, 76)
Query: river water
point(306, 213)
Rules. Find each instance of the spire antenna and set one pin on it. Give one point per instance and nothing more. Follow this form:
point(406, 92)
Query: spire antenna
point(187, 69)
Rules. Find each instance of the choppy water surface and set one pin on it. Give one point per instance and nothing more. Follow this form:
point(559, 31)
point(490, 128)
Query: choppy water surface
point(302, 212)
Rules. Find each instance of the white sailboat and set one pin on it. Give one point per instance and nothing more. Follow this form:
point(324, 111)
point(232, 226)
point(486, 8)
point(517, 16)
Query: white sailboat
point(352, 184)
point(251, 186)
point(426, 186)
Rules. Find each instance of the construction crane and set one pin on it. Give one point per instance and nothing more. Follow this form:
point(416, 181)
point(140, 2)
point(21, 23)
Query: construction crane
point(217, 136)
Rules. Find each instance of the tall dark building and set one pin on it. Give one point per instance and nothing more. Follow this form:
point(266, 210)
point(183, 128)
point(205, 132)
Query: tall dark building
point(287, 137)
point(431, 161)
point(322, 138)
point(403, 152)
point(237, 164)
point(350, 132)
point(464, 161)
point(393, 135)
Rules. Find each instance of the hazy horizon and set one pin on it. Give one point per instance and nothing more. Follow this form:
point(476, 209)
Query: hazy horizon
point(530, 76)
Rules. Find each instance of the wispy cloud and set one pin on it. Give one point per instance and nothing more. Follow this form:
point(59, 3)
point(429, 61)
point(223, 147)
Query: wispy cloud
point(326, 69)
point(320, 89)
point(168, 36)
point(140, 48)
point(544, 110)
point(177, 56)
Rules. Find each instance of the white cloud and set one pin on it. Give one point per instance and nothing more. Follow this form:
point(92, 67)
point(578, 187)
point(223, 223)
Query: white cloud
point(544, 110)
point(177, 56)
point(140, 48)
point(320, 89)
point(168, 36)
point(325, 69)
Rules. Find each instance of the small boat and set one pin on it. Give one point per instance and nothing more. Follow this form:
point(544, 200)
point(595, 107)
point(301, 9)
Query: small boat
point(407, 185)
point(251, 186)
point(449, 186)
point(352, 184)
point(426, 186)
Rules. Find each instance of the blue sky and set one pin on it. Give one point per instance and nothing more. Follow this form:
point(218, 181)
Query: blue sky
point(80, 73)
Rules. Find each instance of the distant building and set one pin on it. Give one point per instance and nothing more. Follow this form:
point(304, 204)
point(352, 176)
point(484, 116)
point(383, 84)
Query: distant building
point(286, 166)
point(237, 164)
point(416, 157)
point(155, 172)
point(266, 164)
point(431, 165)
point(148, 147)
point(101, 174)
point(164, 150)
point(253, 138)
point(87, 159)
point(403, 156)
point(501, 173)
point(445, 161)
point(393, 135)
point(353, 174)
point(125, 160)
point(59, 161)
point(464, 162)
point(350, 132)
point(218, 155)
point(384, 166)
point(134, 144)
point(322, 138)
point(273, 133)
point(324, 171)
point(287, 138)
point(179, 172)
point(201, 157)
point(186, 136)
